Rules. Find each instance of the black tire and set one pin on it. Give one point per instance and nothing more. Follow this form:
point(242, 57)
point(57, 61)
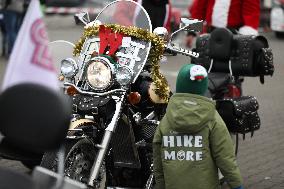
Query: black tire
point(79, 159)
point(50, 159)
point(85, 151)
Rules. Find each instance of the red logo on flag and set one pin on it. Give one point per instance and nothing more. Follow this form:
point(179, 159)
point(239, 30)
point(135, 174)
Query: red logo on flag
point(41, 55)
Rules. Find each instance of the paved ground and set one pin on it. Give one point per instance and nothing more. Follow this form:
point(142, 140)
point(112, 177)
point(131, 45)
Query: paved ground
point(261, 158)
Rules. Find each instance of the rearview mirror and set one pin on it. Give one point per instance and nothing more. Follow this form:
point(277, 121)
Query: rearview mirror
point(83, 17)
point(186, 24)
point(191, 24)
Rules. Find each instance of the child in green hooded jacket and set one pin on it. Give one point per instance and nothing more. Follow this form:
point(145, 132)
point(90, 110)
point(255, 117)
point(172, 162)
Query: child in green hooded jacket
point(192, 141)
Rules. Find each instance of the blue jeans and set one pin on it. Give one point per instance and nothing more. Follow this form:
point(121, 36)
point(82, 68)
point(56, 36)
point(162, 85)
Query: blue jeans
point(12, 23)
point(3, 32)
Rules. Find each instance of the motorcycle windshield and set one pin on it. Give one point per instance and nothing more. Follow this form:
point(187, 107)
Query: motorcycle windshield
point(125, 13)
point(129, 14)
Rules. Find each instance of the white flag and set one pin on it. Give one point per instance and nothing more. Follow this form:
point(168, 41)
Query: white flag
point(30, 60)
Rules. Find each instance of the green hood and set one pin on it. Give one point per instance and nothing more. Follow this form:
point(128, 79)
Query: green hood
point(189, 113)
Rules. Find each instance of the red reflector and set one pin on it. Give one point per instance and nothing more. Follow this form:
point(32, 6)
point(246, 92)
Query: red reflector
point(71, 91)
point(233, 92)
point(134, 98)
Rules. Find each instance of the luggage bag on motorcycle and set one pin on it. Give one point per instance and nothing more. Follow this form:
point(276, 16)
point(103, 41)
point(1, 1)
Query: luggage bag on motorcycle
point(239, 114)
point(242, 55)
point(85, 104)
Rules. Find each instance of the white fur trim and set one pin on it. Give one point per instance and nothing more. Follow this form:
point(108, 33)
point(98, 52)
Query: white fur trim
point(197, 70)
point(247, 30)
point(220, 13)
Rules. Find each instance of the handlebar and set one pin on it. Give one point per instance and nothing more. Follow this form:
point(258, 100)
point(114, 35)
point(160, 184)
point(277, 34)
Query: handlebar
point(67, 84)
point(178, 50)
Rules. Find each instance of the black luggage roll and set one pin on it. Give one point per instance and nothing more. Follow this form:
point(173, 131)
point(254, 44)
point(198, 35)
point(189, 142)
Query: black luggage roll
point(247, 55)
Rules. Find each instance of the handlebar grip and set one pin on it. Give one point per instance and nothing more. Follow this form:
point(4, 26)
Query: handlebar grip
point(179, 50)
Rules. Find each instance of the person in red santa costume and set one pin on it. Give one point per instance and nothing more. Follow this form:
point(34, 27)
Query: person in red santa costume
point(158, 10)
point(242, 15)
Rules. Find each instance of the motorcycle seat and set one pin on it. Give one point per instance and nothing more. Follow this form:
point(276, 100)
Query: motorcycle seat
point(217, 81)
point(220, 44)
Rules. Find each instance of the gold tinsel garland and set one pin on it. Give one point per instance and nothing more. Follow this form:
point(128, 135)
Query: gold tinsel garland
point(155, 55)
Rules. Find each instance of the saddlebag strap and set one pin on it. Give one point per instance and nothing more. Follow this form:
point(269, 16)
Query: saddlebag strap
point(266, 63)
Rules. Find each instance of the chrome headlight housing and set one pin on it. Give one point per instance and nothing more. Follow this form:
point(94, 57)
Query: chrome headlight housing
point(69, 67)
point(99, 73)
point(123, 75)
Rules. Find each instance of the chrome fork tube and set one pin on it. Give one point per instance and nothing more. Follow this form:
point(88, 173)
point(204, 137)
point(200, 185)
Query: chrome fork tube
point(100, 157)
point(106, 140)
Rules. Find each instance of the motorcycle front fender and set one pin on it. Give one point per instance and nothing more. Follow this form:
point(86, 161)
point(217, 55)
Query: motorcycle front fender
point(79, 122)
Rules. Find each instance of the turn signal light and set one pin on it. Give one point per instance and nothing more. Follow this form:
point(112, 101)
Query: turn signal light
point(61, 78)
point(71, 91)
point(134, 98)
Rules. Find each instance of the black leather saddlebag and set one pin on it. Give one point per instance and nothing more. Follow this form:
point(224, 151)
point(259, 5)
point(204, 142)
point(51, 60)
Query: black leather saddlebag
point(239, 114)
point(248, 55)
point(96, 106)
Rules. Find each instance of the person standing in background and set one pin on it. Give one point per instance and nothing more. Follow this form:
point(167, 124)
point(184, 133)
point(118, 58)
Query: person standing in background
point(241, 15)
point(13, 13)
point(159, 12)
point(2, 29)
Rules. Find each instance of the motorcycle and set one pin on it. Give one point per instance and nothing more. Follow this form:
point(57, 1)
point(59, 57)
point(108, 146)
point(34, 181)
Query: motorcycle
point(119, 96)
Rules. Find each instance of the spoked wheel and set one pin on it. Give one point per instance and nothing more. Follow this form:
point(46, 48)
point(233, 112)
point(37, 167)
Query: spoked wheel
point(79, 161)
point(50, 159)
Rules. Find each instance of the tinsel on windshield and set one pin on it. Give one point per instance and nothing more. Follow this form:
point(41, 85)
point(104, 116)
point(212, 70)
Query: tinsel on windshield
point(155, 55)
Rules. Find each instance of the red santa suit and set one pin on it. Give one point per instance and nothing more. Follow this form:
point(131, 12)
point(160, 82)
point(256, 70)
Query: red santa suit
point(242, 14)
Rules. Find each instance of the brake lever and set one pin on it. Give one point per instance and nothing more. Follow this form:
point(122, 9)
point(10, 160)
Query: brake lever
point(179, 50)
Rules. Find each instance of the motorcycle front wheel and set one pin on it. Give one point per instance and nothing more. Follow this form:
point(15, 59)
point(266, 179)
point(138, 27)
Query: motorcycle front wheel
point(79, 159)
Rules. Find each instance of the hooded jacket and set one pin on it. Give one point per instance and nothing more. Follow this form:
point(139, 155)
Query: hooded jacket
point(190, 144)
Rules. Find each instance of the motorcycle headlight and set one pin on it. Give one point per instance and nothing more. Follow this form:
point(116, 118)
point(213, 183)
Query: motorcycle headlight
point(69, 68)
point(123, 76)
point(99, 75)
